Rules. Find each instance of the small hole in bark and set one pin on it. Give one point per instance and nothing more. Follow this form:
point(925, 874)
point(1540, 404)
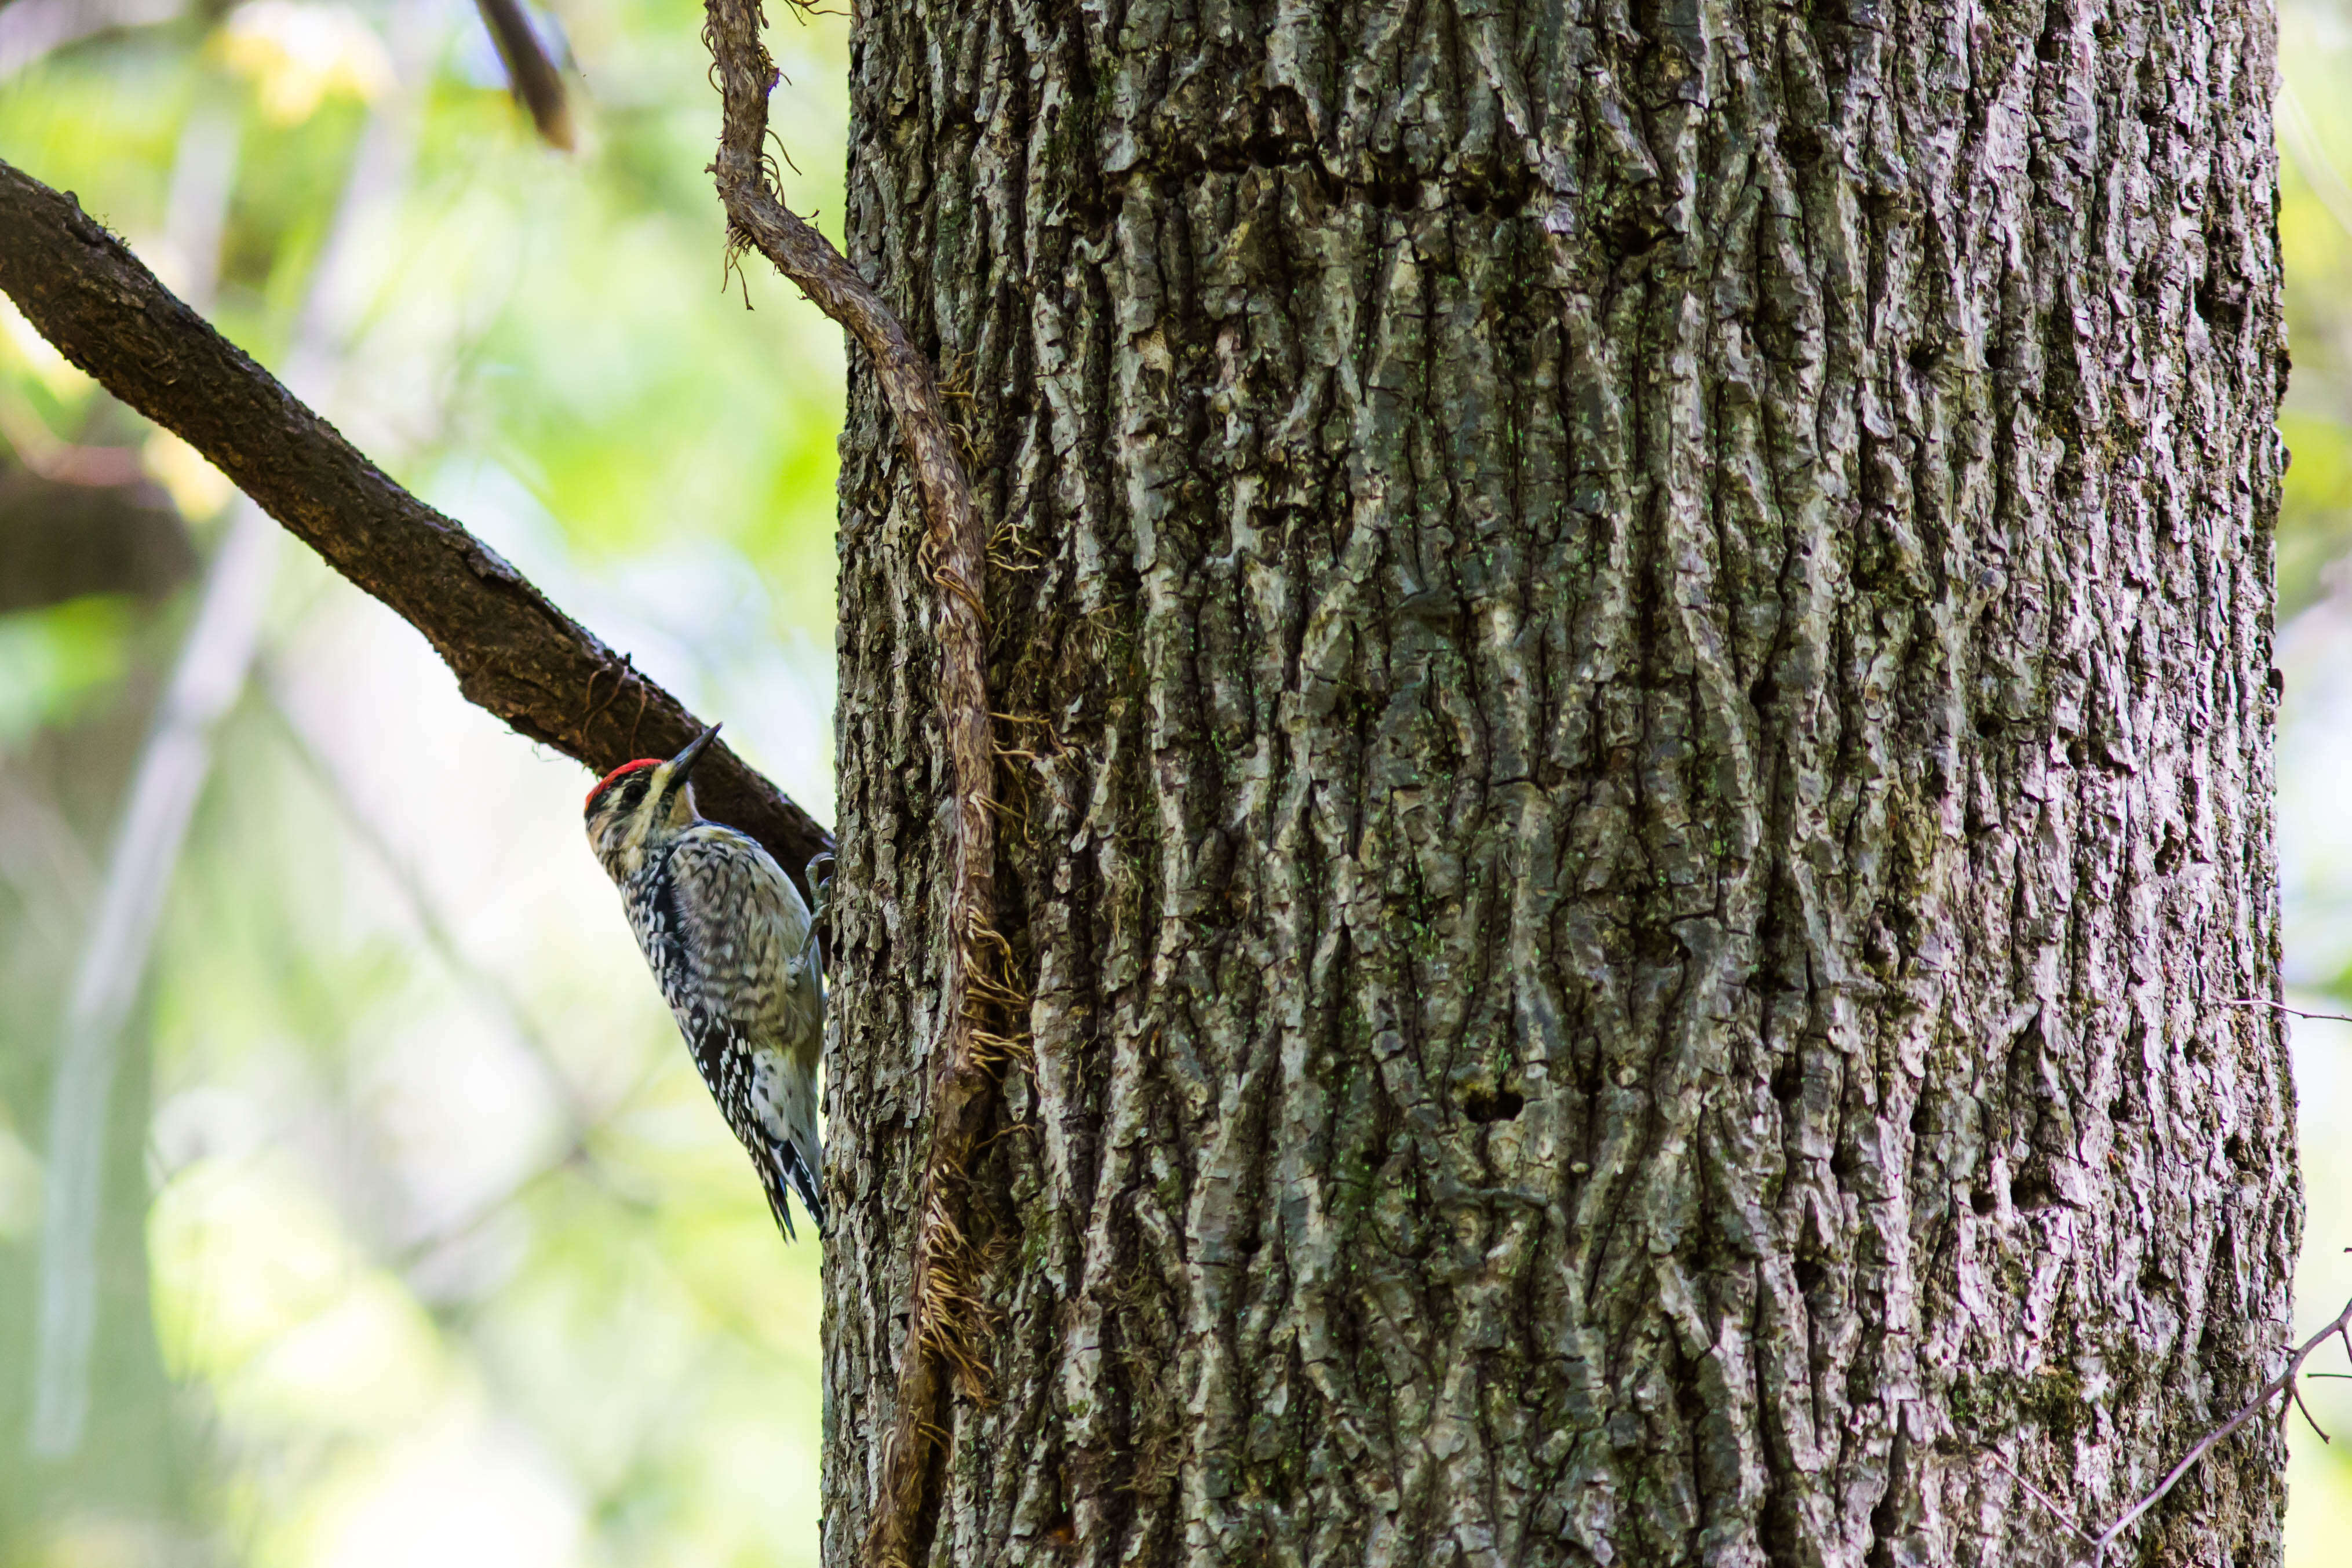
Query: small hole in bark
point(1787, 1080)
point(1809, 1276)
point(1882, 1531)
point(1801, 144)
point(1630, 232)
point(2119, 1108)
point(1923, 357)
point(2152, 1279)
point(1485, 1105)
point(2032, 1190)
point(1760, 695)
point(2077, 753)
point(2047, 48)
point(1982, 1200)
point(1841, 1163)
point(2216, 308)
point(1919, 1120)
point(1988, 726)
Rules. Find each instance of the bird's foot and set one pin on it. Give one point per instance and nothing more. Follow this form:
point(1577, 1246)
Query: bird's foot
point(820, 887)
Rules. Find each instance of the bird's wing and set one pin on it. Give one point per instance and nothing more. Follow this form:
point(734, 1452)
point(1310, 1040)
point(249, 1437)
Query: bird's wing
point(728, 937)
point(744, 939)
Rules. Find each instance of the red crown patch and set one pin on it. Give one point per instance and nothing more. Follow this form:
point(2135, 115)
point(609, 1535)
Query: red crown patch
point(615, 777)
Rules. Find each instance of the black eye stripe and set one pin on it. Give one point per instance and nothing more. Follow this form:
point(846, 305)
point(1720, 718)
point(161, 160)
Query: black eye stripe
point(625, 795)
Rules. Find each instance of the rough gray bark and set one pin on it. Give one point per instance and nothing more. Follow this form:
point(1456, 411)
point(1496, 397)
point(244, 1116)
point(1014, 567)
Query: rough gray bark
point(1637, 645)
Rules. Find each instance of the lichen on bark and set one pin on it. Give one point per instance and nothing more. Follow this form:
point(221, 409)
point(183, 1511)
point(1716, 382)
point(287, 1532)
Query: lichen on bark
point(1634, 651)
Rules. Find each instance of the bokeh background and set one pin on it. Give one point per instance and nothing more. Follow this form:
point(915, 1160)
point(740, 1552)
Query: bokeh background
point(415, 1238)
point(419, 1241)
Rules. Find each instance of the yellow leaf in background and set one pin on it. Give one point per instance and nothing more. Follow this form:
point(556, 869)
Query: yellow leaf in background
point(196, 486)
point(295, 53)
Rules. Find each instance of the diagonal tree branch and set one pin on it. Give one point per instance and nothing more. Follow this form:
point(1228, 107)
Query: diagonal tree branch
point(514, 653)
point(942, 1306)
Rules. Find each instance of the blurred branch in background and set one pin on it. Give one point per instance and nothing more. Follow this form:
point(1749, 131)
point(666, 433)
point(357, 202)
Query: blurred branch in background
point(43, 860)
point(170, 775)
point(60, 540)
point(537, 85)
point(196, 212)
point(61, 462)
point(210, 675)
point(514, 653)
point(32, 28)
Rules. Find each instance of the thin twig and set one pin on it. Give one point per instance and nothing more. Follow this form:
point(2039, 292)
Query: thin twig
point(2038, 1494)
point(943, 1305)
point(2282, 1008)
point(2283, 1383)
point(2296, 1390)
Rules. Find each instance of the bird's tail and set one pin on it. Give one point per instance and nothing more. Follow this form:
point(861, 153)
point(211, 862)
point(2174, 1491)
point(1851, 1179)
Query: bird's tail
point(794, 1163)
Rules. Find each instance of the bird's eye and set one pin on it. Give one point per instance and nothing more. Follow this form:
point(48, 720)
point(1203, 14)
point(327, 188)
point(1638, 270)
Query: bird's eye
point(621, 797)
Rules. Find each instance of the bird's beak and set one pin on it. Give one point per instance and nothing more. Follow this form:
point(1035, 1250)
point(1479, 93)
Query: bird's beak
point(683, 764)
point(674, 771)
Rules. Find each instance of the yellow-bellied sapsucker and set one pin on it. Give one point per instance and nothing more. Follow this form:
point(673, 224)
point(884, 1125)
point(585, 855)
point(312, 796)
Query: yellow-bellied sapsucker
point(734, 949)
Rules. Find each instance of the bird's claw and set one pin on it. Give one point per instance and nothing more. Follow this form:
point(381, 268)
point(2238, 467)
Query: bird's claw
point(820, 887)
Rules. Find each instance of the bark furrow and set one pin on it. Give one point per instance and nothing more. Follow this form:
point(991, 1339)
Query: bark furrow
point(1637, 649)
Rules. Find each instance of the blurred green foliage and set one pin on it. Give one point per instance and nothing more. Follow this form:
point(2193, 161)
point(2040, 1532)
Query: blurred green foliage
point(423, 1242)
point(2314, 118)
point(2315, 540)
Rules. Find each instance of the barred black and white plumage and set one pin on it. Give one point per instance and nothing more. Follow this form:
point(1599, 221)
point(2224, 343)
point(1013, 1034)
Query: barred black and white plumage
point(733, 947)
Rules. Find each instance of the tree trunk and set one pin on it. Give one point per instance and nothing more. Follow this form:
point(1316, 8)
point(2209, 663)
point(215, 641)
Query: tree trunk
point(1637, 643)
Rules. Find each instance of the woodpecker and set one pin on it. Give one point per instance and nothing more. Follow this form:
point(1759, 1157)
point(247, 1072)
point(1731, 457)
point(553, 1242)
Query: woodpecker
point(734, 951)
